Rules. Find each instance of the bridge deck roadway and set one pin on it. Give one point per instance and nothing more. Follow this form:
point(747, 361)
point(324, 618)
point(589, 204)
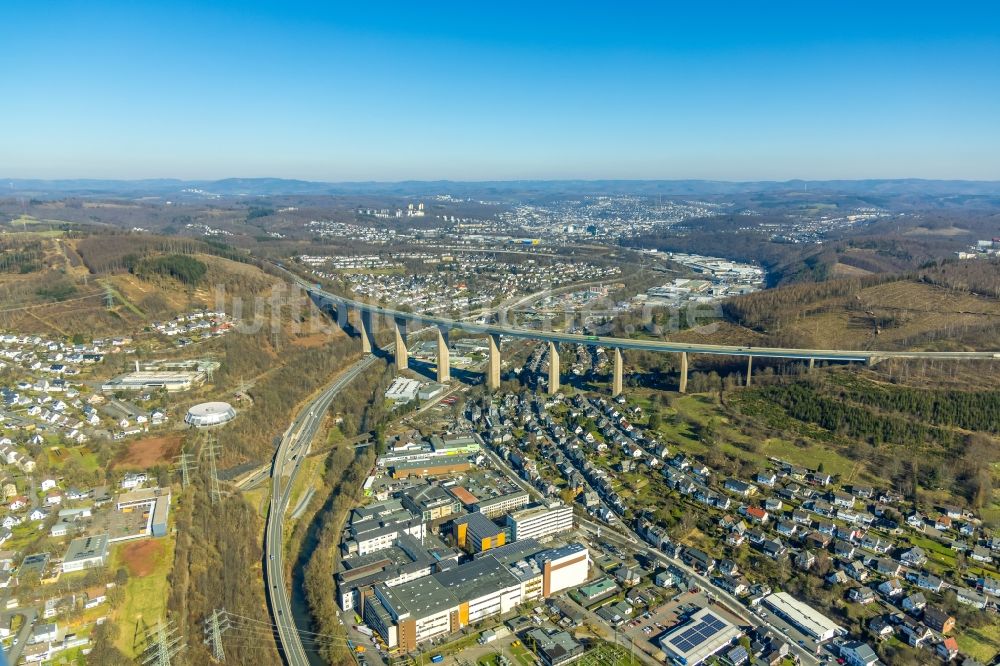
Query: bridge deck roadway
point(647, 345)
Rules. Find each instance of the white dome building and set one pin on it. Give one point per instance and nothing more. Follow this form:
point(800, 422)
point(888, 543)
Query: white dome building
point(210, 414)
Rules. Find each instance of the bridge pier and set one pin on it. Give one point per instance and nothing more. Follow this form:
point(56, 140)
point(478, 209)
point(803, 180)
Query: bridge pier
point(493, 365)
point(342, 316)
point(553, 368)
point(443, 358)
point(366, 330)
point(682, 388)
point(616, 380)
point(812, 364)
point(749, 368)
point(401, 355)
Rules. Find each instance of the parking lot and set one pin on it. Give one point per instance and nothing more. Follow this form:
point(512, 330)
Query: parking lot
point(649, 624)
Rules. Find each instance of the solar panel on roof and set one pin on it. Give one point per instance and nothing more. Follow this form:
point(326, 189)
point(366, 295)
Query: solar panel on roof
point(707, 627)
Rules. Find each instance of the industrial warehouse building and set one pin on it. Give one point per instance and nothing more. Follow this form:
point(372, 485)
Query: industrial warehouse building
point(151, 380)
point(432, 467)
point(407, 559)
point(494, 583)
point(540, 521)
point(805, 618)
point(402, 390)
point(429, 451)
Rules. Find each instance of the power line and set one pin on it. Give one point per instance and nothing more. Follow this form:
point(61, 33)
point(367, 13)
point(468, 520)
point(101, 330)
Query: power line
point(215, 626)
point(185, 464)
point(164, 642)
point(246, 631)
point(211, 449)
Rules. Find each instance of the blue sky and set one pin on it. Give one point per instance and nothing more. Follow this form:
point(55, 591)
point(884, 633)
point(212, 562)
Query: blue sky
point(382, 91)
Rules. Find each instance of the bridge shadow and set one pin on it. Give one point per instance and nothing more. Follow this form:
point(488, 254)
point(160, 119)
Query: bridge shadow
point(428, 370)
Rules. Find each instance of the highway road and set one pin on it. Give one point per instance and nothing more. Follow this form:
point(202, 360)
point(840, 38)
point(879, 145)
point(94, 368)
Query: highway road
point(287, 459)
point(868, 356)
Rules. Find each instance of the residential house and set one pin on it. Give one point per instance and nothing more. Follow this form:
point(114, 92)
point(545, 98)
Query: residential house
point(947, 649)
point(914, 603)
point(938, 620)
point(914, 634)
point(930, 582)
point(891, 589)
point(881, 626)
point(970, 597)
point(915, 557)
point(856, 653)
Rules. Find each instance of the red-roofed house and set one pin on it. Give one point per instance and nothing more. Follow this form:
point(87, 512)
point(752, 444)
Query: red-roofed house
point(947, 649)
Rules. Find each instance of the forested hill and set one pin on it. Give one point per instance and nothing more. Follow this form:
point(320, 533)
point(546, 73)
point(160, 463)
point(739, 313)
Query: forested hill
point(949, 305)
point(949, 436)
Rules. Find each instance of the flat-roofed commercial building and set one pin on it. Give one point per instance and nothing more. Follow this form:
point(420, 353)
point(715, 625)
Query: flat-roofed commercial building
point(485, 587)
point(454, 445)
point(378, 526)
point(430, 502)
point(85, 553)
point(599, 589)
point(538, 522)
point(155, 505)
point(805, 618)
point(430, 452)
point(150, 380)
point(493, 583)
point(414, 612)
point(498, 506)
point(475, 533)
point(431, 467)
point(467, 499)
point(699, 638)
point(563, 568)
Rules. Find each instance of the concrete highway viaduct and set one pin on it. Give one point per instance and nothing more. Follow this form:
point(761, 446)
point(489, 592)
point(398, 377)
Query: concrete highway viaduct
point(366, 315)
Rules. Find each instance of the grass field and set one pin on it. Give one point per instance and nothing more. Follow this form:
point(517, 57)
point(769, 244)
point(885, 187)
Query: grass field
point(519, 656)
point(148, 563)
point(982, 643)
